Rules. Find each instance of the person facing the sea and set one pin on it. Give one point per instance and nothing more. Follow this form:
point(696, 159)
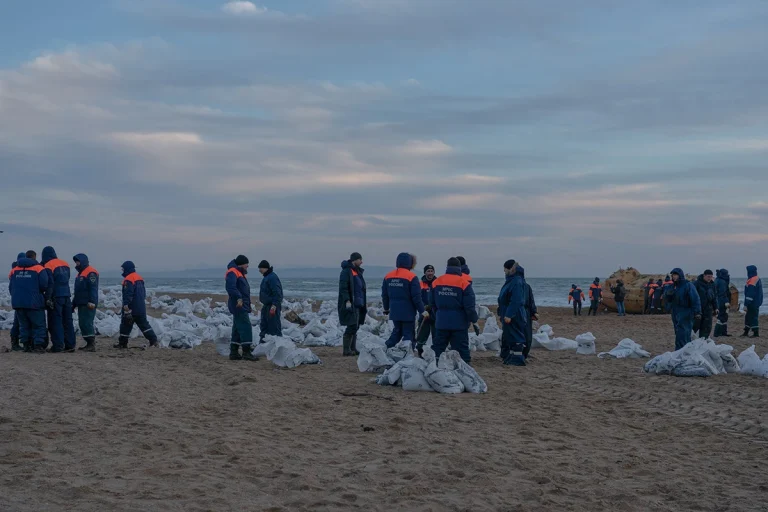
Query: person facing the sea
point(239, 304)
point(353, 301)
point(86, 299)
point(513, 314)
point(685, 307)
point(595, 296)
point(28, 284)
point(15, 345)
point(648, 297)
point(57, 299)
point(753, 299)
point(453, 303)
point(619, 294)
point(577, 296)
point(401, 295)
point(427, 324)
point(658, 295)
point(705, 286)
point(271, 298)
point(134, 307)
point(723, 287)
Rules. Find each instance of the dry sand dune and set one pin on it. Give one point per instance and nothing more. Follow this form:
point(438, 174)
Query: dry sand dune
point(192, 431)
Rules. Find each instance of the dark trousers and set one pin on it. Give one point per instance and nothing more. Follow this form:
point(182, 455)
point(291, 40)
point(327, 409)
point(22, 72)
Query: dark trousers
point(15, 333)
point(458, 340)
point(269, 324)
point(593, 307)
point(241, 330)
point(60, 324)
point(85, 318)
point(576, 307)
point(402, 331)
point(721, 328)
point(514, 337)
point(351, 330)
point(704, 326)
point(31, 326)
point(427, 329)
point(751, 319)
point(528, 337)
point(647, 304)
point(683, 323)
point(126, 326)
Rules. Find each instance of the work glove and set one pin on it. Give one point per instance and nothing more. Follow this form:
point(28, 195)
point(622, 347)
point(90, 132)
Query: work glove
point(50, 305)
point(477, 329)
point(272, 311)
point(91, 305)
point(239, 303)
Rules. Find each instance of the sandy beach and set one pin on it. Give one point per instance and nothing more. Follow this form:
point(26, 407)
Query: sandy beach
point(191, 431)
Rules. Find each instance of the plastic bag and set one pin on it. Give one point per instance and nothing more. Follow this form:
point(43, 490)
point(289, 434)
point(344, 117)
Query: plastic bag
point(373, 357)
point(750, 362)
point(586, 344)
point(559, 344)
point(412, 376)
point(546, 329)
point(471, 380)
point(625, 349)
point(442, 380)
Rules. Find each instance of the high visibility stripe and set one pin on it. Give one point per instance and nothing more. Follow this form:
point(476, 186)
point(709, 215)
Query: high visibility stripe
point(87, 271)
point(132, 278)
point(235, 271)
point(753, 281)
point(451, 280)
point(401, 273)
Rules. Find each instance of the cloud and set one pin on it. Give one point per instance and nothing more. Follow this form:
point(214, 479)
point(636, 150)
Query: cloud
point(426, 148)
point(240, 7)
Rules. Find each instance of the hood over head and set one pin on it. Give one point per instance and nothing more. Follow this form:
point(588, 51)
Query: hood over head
point(680, 273)
point(48, 254)
point(659, 282)
point(723, 274)
point(751, 271)
point(26, 262)
point(520, 271)
point(573, 287)
point(405, 260)
point(81, 261)
point(128, 268)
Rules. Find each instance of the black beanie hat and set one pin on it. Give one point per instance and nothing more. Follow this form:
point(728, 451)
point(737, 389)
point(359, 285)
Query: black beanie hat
point(454, 262)
point(573, 286)
point(355, 256)
point(462, 260)
point(264, 264)
point(509, 264)
point(428, 267)
point(708, 273)
point(241, 260)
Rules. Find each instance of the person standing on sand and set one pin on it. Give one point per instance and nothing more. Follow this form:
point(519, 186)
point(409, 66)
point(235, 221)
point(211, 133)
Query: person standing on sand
point(705, 286)
point(531, 311)
point(453, 303)
point(58, 301)
point(663, 306)
point(427, 323)
point(514, 317)
point(723, 287)
point(15, 345)
point(134, 307)
point(28, 284)
point(753, 299)
point(239, 305)
point(86, 299)
point(658, 295)
point(595, 296)
point(401, 296)
point(577, 296)
point(271, 298)
point(353, 301)
point(619, 294)
point(648, 297)
point(685, 307)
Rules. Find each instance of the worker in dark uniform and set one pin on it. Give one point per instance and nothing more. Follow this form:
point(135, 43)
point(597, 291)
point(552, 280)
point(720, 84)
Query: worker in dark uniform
point(453, 303)
point(723, 286)
point(28, 285)
point(271, 298)
point(577, 296)
point(59, 303)
point(705, 286)
point(595, 297)
point(753, 299)
point(134, 309)
point(15, 345)
point(239, 305)
point(427, 324)
point(352, 302)
point(401, 296)
point(86, 300)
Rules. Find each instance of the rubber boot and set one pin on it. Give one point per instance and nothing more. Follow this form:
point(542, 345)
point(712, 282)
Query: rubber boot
point(248, 354)
point(90, 344)
point(755, 332)
point(28, 346)
point(121, 343)
point(354, 345)
point(234, 352)
point(347, 345)
point(745, 334)
point(15, 346)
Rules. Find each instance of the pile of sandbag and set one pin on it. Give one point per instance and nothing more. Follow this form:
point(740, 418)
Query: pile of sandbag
point(699, 358)
point(751, 364)
point(450, 376)
point(586, 344)
point(489, 339)
point(626, 349)
point(6, 319)
point(284, 353)
point(544, 339)
point(373, 356)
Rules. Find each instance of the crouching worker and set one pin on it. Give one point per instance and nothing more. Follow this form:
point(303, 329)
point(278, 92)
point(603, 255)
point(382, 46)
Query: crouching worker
point(453, 303)
point(401, 295)
point(514, 316)
point(271, 298)
point(239, 304)
point(86, 299)
point(134, 307)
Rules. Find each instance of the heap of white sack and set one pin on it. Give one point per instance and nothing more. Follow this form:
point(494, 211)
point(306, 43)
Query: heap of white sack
point(699, 358)
point(751, 364)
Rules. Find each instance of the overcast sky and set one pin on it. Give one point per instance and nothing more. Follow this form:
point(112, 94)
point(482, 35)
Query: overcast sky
point(576, 137)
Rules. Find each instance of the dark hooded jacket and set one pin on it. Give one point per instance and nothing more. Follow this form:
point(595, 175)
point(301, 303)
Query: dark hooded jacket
point(28, 284)
point(619, 292)
point(401, 291)
point(453, 301)
point(530, 302)
point(595, 291)
point(707, 295)
point(426, 289)
point(513, 297)
point(58, 274)
point(352, 289)
point(753, 290)
point(723, 287)
point(238, 288)
point(134, 291)
point(682, 295)
point(20, 256)
point(86, 282)
point(271, 289)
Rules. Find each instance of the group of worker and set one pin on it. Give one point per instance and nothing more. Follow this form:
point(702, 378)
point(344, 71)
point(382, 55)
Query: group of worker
point(576, 296)
point(44, 306)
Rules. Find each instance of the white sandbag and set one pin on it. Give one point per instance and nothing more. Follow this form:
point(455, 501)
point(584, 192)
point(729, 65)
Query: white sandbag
point(412, 376)
point(473, 383)
point(400, 351)
point(373, 357)
point(284, 353)
point(546, 329)
point(750, 362)
point(699, 358)
point(442, 380)
point(539, 339)
point(586, 344)
point(559, 344)
point(626, 349)
point(483, 312)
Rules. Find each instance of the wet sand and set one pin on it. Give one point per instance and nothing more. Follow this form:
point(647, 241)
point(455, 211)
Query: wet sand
point(192, 431)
